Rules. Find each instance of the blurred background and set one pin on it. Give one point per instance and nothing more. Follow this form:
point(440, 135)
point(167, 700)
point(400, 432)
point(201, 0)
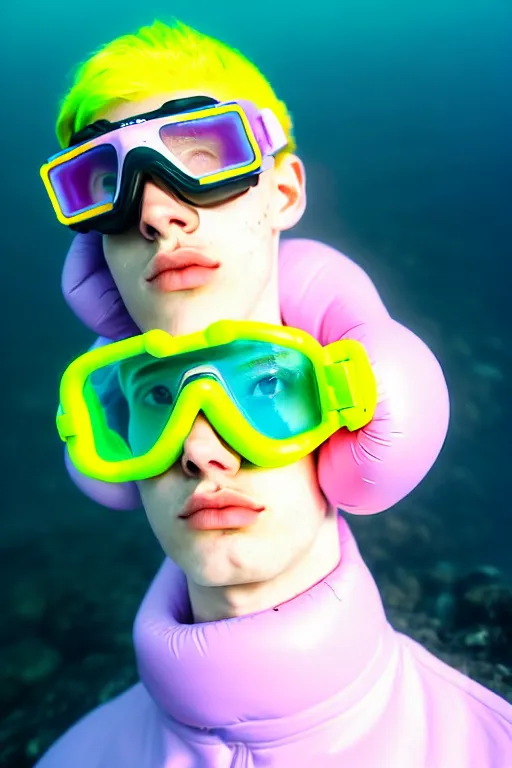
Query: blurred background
point(410, 176)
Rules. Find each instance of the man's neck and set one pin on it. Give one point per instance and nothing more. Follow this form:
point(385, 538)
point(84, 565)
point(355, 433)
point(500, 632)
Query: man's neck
point(267, 309)
point(216, 603)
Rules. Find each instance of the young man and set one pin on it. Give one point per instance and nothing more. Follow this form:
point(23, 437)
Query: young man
point(190, 197)
point(262, 641)
point(179, 265)
point(266, 643)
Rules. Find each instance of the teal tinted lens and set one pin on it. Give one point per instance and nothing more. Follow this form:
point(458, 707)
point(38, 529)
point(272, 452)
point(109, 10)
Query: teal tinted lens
point(131, 418)
point(110, 420)
point(150, 388)
point(274, 388)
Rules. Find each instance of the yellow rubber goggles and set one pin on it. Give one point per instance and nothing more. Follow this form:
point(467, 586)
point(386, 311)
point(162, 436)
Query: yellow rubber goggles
point(273, 393)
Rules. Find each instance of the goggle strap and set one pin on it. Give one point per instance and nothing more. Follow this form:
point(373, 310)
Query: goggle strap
point(65, 425)
point(341, 376)
point(274, 132)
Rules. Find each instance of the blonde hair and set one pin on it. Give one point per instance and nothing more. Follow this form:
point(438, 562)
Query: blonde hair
point(160, 59)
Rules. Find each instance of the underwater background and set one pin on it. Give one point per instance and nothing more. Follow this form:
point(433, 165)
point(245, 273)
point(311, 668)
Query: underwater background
point(403, 118)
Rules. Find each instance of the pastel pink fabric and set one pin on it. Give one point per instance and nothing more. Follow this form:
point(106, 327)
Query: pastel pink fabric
point(320, 681)
point(329, 296)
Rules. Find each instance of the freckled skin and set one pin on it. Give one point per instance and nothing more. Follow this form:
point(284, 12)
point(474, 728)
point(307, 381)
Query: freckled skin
point(237, 234)
point(242, 234)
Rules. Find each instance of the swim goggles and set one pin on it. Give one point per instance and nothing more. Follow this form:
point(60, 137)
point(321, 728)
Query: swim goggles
point(204, 151)
point(272, 393)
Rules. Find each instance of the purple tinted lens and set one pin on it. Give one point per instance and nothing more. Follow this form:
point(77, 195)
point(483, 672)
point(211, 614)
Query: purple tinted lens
point(86, 181)
point(209, 145)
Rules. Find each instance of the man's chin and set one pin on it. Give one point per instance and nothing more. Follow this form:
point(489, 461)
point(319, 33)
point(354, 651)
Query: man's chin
point(215, 576)
point(190, 311)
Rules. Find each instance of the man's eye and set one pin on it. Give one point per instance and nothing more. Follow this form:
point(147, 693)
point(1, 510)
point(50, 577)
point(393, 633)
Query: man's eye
point(103, 186)
point(201, 162)
point(270, 386)
point(158, 395)
point(108, 183)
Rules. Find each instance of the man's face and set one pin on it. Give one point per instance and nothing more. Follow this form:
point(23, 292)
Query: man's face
point(277, 537)
point(238, 238)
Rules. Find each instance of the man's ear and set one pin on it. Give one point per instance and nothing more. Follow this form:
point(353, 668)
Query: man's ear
point(290, 192)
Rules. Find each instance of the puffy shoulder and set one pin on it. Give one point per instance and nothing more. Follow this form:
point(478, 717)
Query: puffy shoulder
point(123, 732)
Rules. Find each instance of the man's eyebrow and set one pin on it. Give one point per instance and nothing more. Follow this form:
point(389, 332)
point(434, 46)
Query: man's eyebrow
point(272, 358)
point(132, 372)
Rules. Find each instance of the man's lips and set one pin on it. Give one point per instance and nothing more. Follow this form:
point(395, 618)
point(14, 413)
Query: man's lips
point(220, 500)
point(178, 260)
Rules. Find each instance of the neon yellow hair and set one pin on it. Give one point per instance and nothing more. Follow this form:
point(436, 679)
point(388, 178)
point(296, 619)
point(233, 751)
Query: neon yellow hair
point(160, 59)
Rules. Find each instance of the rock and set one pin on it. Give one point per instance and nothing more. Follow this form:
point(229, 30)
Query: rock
point(28, 662)
point(444, 607)
point(444, 573)
point(485, 574)
point(400, 590)
point(480, 638)
point(489, 603)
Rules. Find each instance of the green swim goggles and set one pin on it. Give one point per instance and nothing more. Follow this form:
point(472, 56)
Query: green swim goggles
point(273, 393)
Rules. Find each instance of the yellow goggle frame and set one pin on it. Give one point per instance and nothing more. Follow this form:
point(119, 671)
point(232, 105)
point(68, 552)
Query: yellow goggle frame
point(346, 387)
point(122, 147)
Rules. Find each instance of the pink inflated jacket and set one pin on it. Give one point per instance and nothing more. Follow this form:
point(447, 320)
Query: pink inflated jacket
point(321, 681)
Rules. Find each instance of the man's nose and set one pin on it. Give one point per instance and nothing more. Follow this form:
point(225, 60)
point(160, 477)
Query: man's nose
point(204, 453)
point(161, 211)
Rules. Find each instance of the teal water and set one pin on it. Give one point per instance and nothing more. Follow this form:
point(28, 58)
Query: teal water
point(403, 117)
